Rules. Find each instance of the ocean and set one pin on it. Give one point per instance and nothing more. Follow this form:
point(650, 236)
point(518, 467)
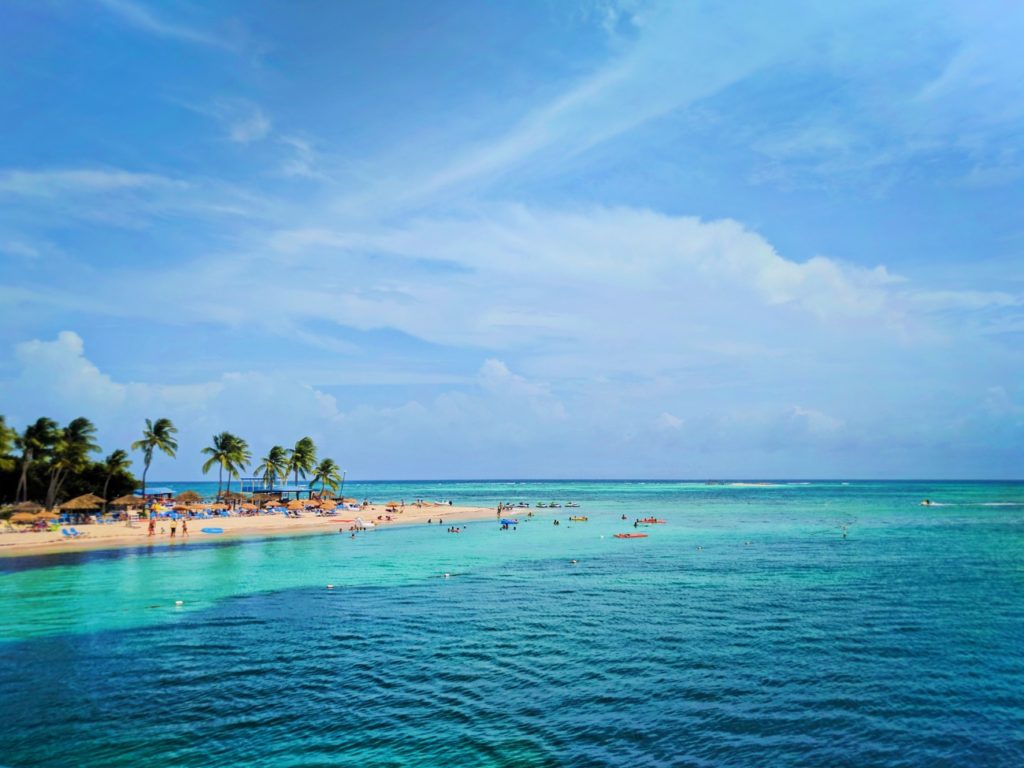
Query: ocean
point(791, 624)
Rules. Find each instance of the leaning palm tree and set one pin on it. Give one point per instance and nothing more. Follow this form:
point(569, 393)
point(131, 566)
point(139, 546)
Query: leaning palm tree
point(116, 462)
point(158, 435)
point(34, 443)
point(239, 457)
point(328, 474)
point(70, 455)
point(273, 466)
point(302, 458)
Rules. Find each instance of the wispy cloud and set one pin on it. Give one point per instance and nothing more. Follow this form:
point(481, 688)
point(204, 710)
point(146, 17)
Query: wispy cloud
point(58, 181)
point(143, 18)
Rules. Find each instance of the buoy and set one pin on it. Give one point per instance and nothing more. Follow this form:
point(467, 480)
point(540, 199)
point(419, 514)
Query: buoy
point(179, 602)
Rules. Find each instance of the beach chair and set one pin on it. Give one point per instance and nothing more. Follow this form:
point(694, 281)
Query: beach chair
point(66, 535)
point(75, 533)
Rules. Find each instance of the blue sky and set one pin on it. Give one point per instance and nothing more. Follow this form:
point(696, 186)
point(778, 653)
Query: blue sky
point(532, 239)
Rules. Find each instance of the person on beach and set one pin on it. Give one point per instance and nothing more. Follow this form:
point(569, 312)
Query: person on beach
point(152, 526)
point(174, 527)
point(184, 527)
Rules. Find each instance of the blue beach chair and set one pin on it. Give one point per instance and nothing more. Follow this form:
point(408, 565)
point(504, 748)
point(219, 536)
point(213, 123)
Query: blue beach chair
point(75, 533)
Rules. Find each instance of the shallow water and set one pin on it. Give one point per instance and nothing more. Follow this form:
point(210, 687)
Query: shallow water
point(747, 630)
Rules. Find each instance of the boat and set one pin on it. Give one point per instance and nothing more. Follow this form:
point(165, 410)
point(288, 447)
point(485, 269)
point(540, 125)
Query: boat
point(572, 505)
point(651, 521)
point(630, 535)
point(578, 518)
point(541, 505)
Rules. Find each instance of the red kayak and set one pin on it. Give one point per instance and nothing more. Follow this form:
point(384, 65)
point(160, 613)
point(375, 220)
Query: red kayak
point(652, 520)
point(630, 535)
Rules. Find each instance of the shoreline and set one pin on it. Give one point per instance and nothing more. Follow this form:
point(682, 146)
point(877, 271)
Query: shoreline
point(111, 536)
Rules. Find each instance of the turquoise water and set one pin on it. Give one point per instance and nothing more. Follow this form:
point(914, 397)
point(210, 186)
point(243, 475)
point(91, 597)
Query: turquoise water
point(745, 631)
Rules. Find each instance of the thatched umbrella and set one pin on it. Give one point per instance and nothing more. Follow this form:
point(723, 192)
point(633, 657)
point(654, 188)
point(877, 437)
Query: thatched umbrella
point(181, 507)
point(219, 507)
point(234, 495)
point(82, 503)
point(23, 517)
point(296, 504)
point(327, 505)
point(46, 515)
point(27, 506)
point(248, 506)
point(128, 501)
point(188, 496)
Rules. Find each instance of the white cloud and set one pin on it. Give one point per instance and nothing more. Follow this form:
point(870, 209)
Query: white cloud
point(142, 18)
point(79, 181)
point(251, 127)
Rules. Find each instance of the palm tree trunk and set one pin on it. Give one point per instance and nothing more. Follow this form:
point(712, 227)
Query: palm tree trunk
point(145, 469)
point(220, 480)
point(106, 485)
point(51, 488)
point(23, 481)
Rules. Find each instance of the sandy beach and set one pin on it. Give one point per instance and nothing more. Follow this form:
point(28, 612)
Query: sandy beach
point(120, 535)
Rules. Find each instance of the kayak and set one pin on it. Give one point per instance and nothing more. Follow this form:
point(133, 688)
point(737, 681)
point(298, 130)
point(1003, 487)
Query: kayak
point(578, 519)
point(651, 520)
point(630, 535)
point(212, 530)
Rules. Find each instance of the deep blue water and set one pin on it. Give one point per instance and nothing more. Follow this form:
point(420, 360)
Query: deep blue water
point(745, 631)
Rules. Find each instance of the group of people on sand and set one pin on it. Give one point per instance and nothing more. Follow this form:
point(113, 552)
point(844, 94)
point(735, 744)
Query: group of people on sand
point(173, 525)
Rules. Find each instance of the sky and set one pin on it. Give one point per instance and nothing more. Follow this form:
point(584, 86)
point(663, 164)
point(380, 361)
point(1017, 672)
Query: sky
point(541, 239)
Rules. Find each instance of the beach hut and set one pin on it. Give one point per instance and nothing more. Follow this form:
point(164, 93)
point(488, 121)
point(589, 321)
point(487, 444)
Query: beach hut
point(84, 503)
point(27, 506)
point(131, 500)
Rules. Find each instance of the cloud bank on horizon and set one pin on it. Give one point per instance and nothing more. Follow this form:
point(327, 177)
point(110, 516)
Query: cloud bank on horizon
point(600, 239)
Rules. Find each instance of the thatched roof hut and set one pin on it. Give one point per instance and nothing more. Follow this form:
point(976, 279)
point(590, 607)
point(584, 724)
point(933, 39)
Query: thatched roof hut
point(129, 500)
point(188, 496)
point(83, 503)
point(27, 506)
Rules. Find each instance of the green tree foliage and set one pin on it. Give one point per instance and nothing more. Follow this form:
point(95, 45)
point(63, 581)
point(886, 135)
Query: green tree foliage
point(328, 474)
point(49, 464)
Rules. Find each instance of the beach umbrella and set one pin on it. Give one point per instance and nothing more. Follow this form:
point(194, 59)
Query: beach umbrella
point(189, 496)
point(234, 495)
point(350, 501)
point(249, 506)
point(47, 515)
point(313, 503)
point(296, 504)
point(219, 507)
point(82, 503)
point(328, 505)
point(28, 506)
point(181, 508)
point(393, 503)
point(130, 500)
point(23, 517)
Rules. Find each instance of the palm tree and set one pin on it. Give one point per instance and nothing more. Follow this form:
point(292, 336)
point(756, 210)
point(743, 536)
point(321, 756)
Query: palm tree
point(158, 435)
point(229, 452)
point(328, 474)
point(36, 440)
point(302, 458)
point(239, 457)
point(218, 453)
point(116, 462)
point(70, 454)
point(273, 466)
